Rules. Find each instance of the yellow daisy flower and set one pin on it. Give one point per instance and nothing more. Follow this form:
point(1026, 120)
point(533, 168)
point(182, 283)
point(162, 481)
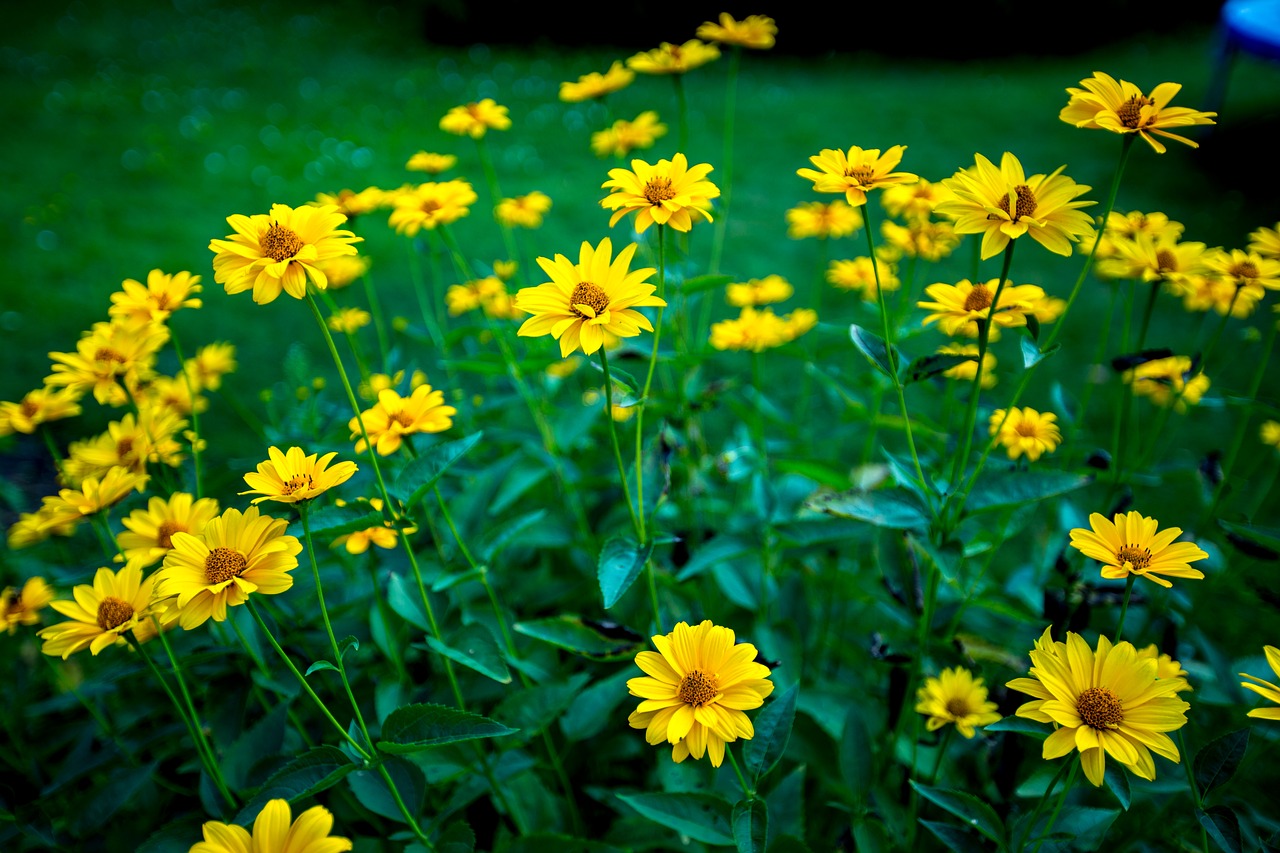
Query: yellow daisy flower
point(155, 301)
point(1166, 666)
point(35, 527)
point(294, 476)
point(914, 201)
point(171, 396)
point(859, 275)
point(669, 192)
point(751, 330)
point(921, 238)
point(106, 356)
point(148, 534)
point(1102, 702)
point(1132, 546)
point(476, 119)
point(275, 831)
point(1266, 242)
point(92, 495)
point(957, 307)
point(1048, 309)
point(955, 697)
point(597, 85)
point(210, 364)
point(856, 173)
point(37, 407)
point(623, 136)
point(1004, 204)
point(384, 536)
point(1245, 270)
point(1120, 107)
point(1269, 433)
point(1026, 431)
point(352, 204)
point(280, 251)
point(22, 607)
point(128, 443)
point(1265, 689)
point(670, 58)
point(759, 291)
point(344, 269)
point(583, 301)
point(966, 369)
point(236, 554)
point(431, 204)
point(431, 163)
point(505, 270)
point(100, 613)
point(394, 417)
point(1148, 259)
point(817, 219)
point(755, 31)
point(1168, 382)
point(523, 211)
point(349, 320)
point(695, 689)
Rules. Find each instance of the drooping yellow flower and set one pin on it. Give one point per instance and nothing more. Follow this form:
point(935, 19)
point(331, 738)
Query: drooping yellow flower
point(1269, 433)
point(1120, 107)
point(35, 527)
point(859, 275)
point(344, 269)
point(623, 137)
point(1026, 431)
point(431, 204)
point(37, 407)
point(100, 613)
point(757, 331)
point(351, 203)
point(1266, 242)
point(1265, 689)
point(755, 31)
point(1004, 204)
point(108, 359)
point(280, 250)
point(394, 417)
point(669, 192)
point(235, 555)
point(597, 85)
point(476, 119)
point(921, 238)
point(275, 831)
point(294, 476)
point(92, 495)
point(695, 689)
point(821, 220)
point(349, 320)
point(22, 607)
point(1166, 666)
point(914, 201)
point(1103, 701)
point(431, 163)
point(155, 301)
point(957, 307)
point(1131, 545)
point(148, 534)
point(955, 697)
point(759, 291)
point(670, 58)
point(523, 211)
point(965, 370)
point(856, 173)
point(210, 364)
point(1168, 382)
point(583, 301)
point(128, 443)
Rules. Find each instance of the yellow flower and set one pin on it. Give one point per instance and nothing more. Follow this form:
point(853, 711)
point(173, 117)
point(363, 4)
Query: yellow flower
point(505, 270)
point(171, 395)
point(956, 697)
point(344, 269)
point(23, 607)
point(1107, 701)
point(856, 173)
point(149, 532)
point(760, 330)
point(623, 136)
point(674, 58)
point(431, 163)
point(431, 204)
point(755, 31)
point(921, 238)
point(1132, 546)
point(37, 407)
point(157, 299)
point(236, 554)
point(395, 417)
point(1270, 433)
point(966, 369)
point(34, 527)
point(523, 211)
point(1026, 431)
point(860, 275)
point(274, 833)
point(958, 307)
point(100, 613)
point(128, 443)
point(817, 219)
point(1048, 309)
point(352, 204)
point(475, 119)
point(1245, 269)
point(1166, 666)
point(759, 291)
point(1004, 204)
point(349, 320)
point(294, 476)
point(597, 85)
point(1266, 242)
point(280, 251)
point(695, 689)
point(1168, 381)
point(1120, 107)
point(668, 193)
point(93, 495)
point(914, 201)
point(1211, 293)
point(1265, 689)
point(106, 356)
point(210, 364)
point(1144, 258)
point(798, 322)
point(583, 301)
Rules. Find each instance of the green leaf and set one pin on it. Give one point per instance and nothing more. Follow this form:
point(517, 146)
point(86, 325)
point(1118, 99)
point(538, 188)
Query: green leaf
point(444, 582)
point(1033, 327)
point(374, 794)
point(589, 640)
point(967, 807)
point(820, 471)
point(1217, 761)
point(262, 739)
point(1085, 827)
point(699, 283)
point(1033, 355)
point(1268, 538)
point(932, 365)
point(702, 817)
point(533, 709)
point(773, 729)
point(624, 384)
point(474, 647)
point(420, 475)
point(508, 531)
point(318, 666)
point(1117, 782)
point(334, 521)
point(413, 728)
point(954, 838)
point(348, 643)
point(873, 347)
point(857, 765)
point(1003, 489)
point(750, 825)
point(716, 550)
point(551, 842)
point(894, 508)
point(1019, 725)
point(621, 561)
point(114, 793)
point(406, 604)
point(458, 838)
point(305, 776)
point(593, 708)
point(1223, 827)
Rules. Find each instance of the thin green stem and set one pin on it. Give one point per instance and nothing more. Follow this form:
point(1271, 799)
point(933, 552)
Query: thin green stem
point(1195, 789)
point(495, 193)
point(356, 351)
point(409, 817)
point(195, 412)
point(427, 302)
point(1099, 353)
point(1062, 798)
point(617, 447)
point(1044, 798)
point(942, 751)
point(379, 322)
point(1124, 606)
point(49, 443)
point(648, 379)
point(102, 527)
point(726, 182)
point(1237, 440)
point(742, 780)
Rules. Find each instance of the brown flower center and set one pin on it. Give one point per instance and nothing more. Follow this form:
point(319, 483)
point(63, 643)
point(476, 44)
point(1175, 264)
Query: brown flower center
point(979, 299)
point(1026, 428)
point(658, 190)
point(1025, 204)
point(280, 243)
point(29, 408)
point(401, 418)
point(1130, 112)
point(587, 293)
point(860, 174)
point(108, 354)
point(1099, 708)
point(298, 481)
point(164, 533)
point(1166, 261)
point(1139, 558)
point(957, 707)
point(113, 612)
point(430, 206)
point(697, 688)
point(124, 447)
point(223, 564)
point(1244, 269)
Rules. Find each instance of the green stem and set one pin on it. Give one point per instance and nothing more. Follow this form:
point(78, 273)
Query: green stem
point(1098, 355)
point(648, 381)
point(379, 322)
point(495, 193)
point(102, 527)
point(1044, 798)
point(726, 184)
point(426, 301)
point(1195, 789)
point(1062, 798)
point(742, 780)
point(332, 305)
point(409, 817)
point(1237, 440)
point(942, 750)
point(1124, 606)
point(43, 429)
point(636, 522)
point(195, 412)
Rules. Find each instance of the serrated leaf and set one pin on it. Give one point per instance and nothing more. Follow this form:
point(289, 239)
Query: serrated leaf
point(1223, 827)
point(893, 508)
point(1003, 489)
point(458, 838)
point(413, 728)
point(750, 825)
point(305, 776)
point(873, 347)
point(702, 817)
point(1019, 725)
point(474, 647)
point(1216, 762)
point(573, 634)
point(967, 807)
point(621, 561)
point(932, 365)
point(421, 475)
point(773, 729)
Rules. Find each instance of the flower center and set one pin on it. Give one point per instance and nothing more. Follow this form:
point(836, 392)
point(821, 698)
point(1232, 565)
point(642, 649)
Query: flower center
point(1244, 269)
point(658, 190)
point(280, 243)
point(1166, 261)
point(1137, 557)
point(164, 533)
point(1130, 112)
point(29, 408)
point(223, 564)
point(697, 688)
point(1099, 708)
point(1025, 205)
point(587, 293)
point(979, 299)
point(1026, 429)
point(957, 707)
point(430, 206)
point(298, 481)
point(860, 174)
point(401, 418)
point(124, 447)
point(113, 612)
point(107, 354)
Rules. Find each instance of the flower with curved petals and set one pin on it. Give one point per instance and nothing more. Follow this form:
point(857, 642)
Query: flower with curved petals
point(955, 697)
point(149, 532)
point(822, 220)
point(623, 137)
point(157, 299)
point(958, 307)
point(294, 476)
point(670, 58)
point(100, 613)
point(1131, 545)
point(755, 31)
point(37, 407)
point(476, 119)
point(22, 607)
point(274, 831)
point(597, 85)
point(394, 417)
point(1025, 431)
point(669, 192)
point(1120, 107)
point(1265, 689)
point(431, 204)
point(431, 162)
point(857, 172)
